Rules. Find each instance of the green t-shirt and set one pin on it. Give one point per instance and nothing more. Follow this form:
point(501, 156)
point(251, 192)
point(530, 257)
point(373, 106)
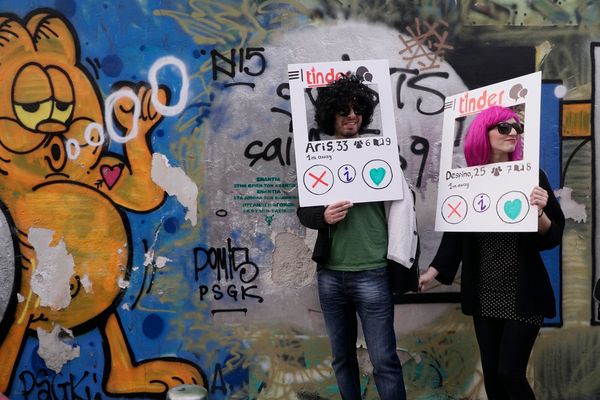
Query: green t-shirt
point(360, 240)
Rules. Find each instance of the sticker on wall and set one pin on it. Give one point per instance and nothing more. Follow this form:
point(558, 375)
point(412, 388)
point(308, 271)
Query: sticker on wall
point(488, 195)
point(362, 166)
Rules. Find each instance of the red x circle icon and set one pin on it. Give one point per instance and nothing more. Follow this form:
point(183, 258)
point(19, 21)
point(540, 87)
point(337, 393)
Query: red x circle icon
point(454, 209)
point(318, 179)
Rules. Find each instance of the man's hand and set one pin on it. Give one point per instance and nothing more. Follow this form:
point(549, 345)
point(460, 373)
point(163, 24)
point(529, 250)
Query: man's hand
point(336, 212)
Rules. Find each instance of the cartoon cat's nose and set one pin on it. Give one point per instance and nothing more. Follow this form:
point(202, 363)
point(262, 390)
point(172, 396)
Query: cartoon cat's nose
point(52, 127)
point(56, 151)
point(57, 156)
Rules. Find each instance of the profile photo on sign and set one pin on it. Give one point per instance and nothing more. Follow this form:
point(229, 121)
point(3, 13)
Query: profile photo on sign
point(501, 126)
point(348, 105)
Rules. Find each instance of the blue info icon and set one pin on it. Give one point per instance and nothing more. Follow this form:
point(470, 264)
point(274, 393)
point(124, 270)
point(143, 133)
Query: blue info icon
point(347, 173)
point(481, 202)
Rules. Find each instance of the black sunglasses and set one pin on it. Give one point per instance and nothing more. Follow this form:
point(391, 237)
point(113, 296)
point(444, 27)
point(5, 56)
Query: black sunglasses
point(504, 128)
point(345, 111)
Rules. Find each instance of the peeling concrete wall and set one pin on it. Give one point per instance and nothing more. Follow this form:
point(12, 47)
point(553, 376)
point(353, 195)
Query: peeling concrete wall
point(54, 269)
point(7, 264)
point(158, 242)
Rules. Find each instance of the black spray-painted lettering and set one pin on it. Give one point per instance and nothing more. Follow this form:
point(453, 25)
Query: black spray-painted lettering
point(44, 385)
point(274, 150)
point(230, 264)
point(418, 147)
point(413, 83)
point(245, 55)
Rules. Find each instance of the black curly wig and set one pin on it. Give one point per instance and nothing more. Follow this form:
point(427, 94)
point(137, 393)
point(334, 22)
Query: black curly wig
point(337, 97)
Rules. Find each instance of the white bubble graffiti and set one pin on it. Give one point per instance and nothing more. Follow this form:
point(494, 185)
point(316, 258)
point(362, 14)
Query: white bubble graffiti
point(88, 134)
point(73, 147)
point(108, 117)
point(185, 85)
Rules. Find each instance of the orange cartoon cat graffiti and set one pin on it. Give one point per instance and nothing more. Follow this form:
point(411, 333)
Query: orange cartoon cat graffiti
point(46, 102)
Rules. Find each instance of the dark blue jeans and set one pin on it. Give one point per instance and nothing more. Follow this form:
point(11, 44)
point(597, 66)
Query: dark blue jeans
point(342, 295)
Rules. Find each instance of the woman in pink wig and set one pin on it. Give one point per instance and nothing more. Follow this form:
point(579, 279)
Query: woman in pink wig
point(504, 283)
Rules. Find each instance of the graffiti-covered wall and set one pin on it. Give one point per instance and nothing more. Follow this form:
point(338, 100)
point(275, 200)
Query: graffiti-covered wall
point(148, 191)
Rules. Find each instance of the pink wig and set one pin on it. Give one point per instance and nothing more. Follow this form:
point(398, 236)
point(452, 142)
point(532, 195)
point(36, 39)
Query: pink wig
point(477, 143)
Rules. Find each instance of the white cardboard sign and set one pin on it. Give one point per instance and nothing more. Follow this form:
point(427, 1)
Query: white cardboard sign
point(492, 197)
point(363, 169)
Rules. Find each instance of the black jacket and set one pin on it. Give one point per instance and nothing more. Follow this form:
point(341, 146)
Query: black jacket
point(403, 279)
point(534, 293)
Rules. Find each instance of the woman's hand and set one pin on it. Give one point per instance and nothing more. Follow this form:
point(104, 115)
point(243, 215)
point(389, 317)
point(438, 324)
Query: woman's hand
point(427, 277)
point(538, 197)
point(336, 212)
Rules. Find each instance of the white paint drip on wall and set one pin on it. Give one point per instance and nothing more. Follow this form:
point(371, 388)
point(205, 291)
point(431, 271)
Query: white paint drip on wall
point(55, 266)
point(123, 284)
point(570, 207)
point(149, 257)
point(86, 283)
point(161, 261)
point(158, 261)
point(176, 183)
point(53, 350)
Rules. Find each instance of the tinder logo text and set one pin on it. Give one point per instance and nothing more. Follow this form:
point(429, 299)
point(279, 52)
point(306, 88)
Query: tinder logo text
point(321, 78)
point(467, 104)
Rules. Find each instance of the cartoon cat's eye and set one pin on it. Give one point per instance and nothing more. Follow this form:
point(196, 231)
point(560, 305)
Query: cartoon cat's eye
point(31, 114)
point(62, 111)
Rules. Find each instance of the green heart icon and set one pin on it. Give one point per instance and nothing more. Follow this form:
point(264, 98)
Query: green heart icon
point(377, 175)
point(512, 209)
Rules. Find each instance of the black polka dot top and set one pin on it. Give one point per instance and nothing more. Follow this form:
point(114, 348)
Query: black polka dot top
point(497, 284)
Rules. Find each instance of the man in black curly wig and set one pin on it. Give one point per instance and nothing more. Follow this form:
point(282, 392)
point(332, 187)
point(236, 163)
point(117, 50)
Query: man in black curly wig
point(344, 108)
point(351, 256)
